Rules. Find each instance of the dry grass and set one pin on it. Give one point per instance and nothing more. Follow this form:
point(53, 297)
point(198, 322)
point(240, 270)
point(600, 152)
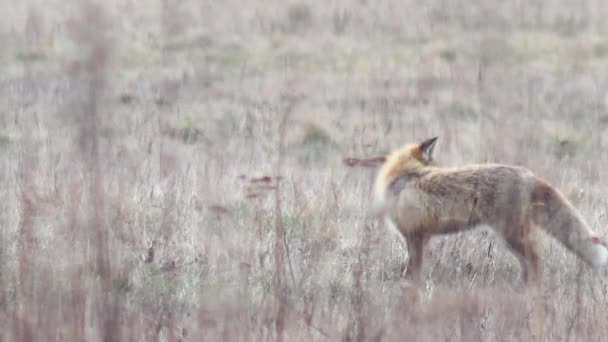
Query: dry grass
point(174, 171)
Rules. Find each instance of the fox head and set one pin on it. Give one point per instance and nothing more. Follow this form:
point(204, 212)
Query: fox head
point(408, 158)
point(412, 156)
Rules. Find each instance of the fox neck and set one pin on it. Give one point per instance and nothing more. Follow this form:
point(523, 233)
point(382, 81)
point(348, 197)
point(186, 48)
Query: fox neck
point(392, 169)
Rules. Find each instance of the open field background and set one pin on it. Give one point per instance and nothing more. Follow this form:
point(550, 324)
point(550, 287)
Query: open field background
point(130, 132)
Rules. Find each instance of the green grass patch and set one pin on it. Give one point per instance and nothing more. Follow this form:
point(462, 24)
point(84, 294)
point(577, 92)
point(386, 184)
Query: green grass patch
point(30, 56)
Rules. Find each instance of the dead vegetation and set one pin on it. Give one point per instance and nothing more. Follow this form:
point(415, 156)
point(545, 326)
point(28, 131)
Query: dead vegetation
point(201, 171)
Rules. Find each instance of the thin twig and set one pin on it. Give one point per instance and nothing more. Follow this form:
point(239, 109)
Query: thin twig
point(280, 241)
point(364, 162)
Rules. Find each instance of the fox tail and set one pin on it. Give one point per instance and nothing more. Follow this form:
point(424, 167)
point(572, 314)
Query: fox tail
point(556, 215)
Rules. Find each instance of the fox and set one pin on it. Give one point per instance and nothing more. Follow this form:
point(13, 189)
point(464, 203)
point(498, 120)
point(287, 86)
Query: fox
point(419, 199)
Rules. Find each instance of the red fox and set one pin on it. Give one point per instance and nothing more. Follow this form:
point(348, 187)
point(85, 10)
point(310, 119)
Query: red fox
point(420, 199)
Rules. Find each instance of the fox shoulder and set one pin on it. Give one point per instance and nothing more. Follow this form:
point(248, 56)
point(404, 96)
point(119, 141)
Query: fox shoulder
point(409, 158)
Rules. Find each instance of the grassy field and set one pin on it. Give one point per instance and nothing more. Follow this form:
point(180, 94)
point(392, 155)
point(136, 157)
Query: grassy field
point(173, 170)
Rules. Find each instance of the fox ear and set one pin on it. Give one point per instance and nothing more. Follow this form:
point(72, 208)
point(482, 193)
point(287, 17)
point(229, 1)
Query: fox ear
point(427, 147)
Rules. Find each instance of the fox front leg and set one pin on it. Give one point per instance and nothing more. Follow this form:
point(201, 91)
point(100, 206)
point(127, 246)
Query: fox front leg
point(415, 248)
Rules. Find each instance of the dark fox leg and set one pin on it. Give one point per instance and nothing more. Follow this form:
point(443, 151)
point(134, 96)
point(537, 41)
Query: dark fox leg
point(415, 248)
point(524, 247)
point(416, 242)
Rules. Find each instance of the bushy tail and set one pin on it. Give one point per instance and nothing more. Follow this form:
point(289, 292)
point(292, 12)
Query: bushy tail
point(554, 213)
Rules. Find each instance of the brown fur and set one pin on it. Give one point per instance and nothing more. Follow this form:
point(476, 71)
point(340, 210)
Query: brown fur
point(422, 200)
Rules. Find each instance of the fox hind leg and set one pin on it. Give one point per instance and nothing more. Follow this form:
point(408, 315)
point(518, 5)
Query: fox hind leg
point(524, 246)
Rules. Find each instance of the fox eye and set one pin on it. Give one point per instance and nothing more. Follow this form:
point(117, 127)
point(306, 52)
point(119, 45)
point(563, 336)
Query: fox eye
point(427, 147)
